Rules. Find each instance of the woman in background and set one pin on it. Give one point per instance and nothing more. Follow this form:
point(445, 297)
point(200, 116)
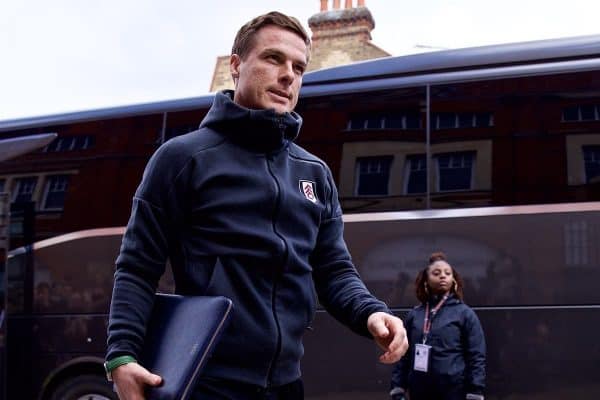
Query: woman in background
point(446, 357)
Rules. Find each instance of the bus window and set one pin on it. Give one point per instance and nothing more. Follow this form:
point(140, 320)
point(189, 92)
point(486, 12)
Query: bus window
point(515, 141)
point(67, 274)
point(58, 297)
point(525, 141)
point(374, 144)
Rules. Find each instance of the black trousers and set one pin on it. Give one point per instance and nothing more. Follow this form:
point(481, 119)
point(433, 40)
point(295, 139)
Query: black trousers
point(220, 389)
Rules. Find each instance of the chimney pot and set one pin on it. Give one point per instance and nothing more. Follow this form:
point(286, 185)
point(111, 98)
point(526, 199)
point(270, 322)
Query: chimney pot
point(336, 4)
point(324, 5)
point(361, 3)
point(348, 4)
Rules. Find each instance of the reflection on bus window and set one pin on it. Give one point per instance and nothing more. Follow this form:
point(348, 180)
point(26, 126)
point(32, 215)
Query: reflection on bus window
point(24, 189)
point(591, 156)
point(416, 174)
point(373, 174)
point(454, 171)
point(55, 192)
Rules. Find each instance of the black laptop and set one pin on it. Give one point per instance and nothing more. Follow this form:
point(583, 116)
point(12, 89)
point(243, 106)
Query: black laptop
point(181, 334)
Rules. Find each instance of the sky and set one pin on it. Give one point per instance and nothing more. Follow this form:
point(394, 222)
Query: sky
point(70, 55)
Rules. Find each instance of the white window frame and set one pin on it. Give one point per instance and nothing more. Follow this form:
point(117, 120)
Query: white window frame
point(47, 181)
point(586, 178)
point(17, 188)
point(577, 246)
point(358, 175)
point(407, 171)
point(438, 179)
point(579, 114)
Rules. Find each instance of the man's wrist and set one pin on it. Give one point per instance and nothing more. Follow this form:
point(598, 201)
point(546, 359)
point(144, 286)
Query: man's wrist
point(112, 364)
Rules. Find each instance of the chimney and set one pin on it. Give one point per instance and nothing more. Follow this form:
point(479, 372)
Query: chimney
point(340, 36)
point(356, 22)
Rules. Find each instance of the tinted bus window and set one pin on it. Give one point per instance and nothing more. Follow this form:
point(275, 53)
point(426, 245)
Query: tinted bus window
point(58, 297)
point(495, 253)
point(537, 143)
point(374, 144)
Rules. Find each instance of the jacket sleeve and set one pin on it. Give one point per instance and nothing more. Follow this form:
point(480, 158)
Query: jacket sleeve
point(144, 251)
point(402, 368)
point(475, 352)
point(338, 285)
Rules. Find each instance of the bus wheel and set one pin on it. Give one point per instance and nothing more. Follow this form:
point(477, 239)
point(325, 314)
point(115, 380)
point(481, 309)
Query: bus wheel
point(84, 387)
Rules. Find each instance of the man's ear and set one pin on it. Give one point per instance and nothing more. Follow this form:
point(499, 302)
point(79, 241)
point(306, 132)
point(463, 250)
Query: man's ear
point(234, 67)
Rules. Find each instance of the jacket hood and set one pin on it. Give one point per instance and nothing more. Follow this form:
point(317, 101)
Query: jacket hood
point(259, 130)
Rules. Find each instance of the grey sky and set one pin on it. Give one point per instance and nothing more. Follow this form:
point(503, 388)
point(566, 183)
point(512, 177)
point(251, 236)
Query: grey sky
point(68, 55)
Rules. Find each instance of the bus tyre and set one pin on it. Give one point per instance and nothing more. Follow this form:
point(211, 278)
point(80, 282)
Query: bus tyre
point(88, 387)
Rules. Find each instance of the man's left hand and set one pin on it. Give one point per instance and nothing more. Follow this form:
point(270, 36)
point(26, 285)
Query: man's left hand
point(389, 334)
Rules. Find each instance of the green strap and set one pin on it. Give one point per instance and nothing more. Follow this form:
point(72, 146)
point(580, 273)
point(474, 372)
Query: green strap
point(118, 361)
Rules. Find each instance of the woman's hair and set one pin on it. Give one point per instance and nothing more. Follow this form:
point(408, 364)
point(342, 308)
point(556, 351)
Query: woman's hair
point(421, 281)
point(244, 40)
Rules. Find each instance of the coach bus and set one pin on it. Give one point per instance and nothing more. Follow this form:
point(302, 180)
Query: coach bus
point(490, 154)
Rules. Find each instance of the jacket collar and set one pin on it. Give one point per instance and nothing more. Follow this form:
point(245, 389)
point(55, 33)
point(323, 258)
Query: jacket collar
point(435, 299)
point(257, 130)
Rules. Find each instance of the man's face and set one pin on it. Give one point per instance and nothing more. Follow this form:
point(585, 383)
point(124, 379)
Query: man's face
point(270, 75)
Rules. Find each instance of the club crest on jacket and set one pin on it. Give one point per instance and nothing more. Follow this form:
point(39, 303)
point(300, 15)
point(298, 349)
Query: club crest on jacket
point(308, 190)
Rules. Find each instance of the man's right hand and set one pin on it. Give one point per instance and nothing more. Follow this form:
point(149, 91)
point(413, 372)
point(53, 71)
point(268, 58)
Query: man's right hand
point(131, 379)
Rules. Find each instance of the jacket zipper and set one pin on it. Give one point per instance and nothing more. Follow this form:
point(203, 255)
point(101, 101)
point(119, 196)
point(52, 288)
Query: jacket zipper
point(276, 273)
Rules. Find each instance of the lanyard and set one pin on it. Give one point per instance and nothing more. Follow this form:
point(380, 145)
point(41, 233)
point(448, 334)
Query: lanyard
point(429, 318)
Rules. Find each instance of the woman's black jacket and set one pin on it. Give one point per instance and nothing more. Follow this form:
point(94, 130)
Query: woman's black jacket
point(458, 349)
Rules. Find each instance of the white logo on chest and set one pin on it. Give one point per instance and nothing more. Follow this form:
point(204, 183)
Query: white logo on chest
point(308, 190)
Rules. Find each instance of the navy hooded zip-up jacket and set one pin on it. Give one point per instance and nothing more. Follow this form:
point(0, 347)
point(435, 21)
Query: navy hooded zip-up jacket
point(240, 211)
point(458, 349)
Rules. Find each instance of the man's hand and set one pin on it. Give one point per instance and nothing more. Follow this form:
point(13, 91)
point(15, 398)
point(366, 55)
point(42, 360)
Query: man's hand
point(389, 334)
point(131, 379)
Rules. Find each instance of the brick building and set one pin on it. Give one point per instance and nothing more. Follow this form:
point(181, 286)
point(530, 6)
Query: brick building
point(339, 36)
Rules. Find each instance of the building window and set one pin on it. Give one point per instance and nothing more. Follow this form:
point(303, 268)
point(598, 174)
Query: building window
point(379, 121)
point(416, 174)
point(23, 190)
point(581, 113)
point(455, 171)
point(84, 142)
point(55, 192)
point(446, 120)
point(373, 175)
point(576, 243)
point(70, 143)
point(591, 158)
point(412, 121)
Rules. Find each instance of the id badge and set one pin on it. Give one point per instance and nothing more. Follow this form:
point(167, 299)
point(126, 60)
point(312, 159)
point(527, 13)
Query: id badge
point(422, 357)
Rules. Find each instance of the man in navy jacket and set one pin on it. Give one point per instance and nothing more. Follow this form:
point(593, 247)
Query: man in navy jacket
point(241, 211)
